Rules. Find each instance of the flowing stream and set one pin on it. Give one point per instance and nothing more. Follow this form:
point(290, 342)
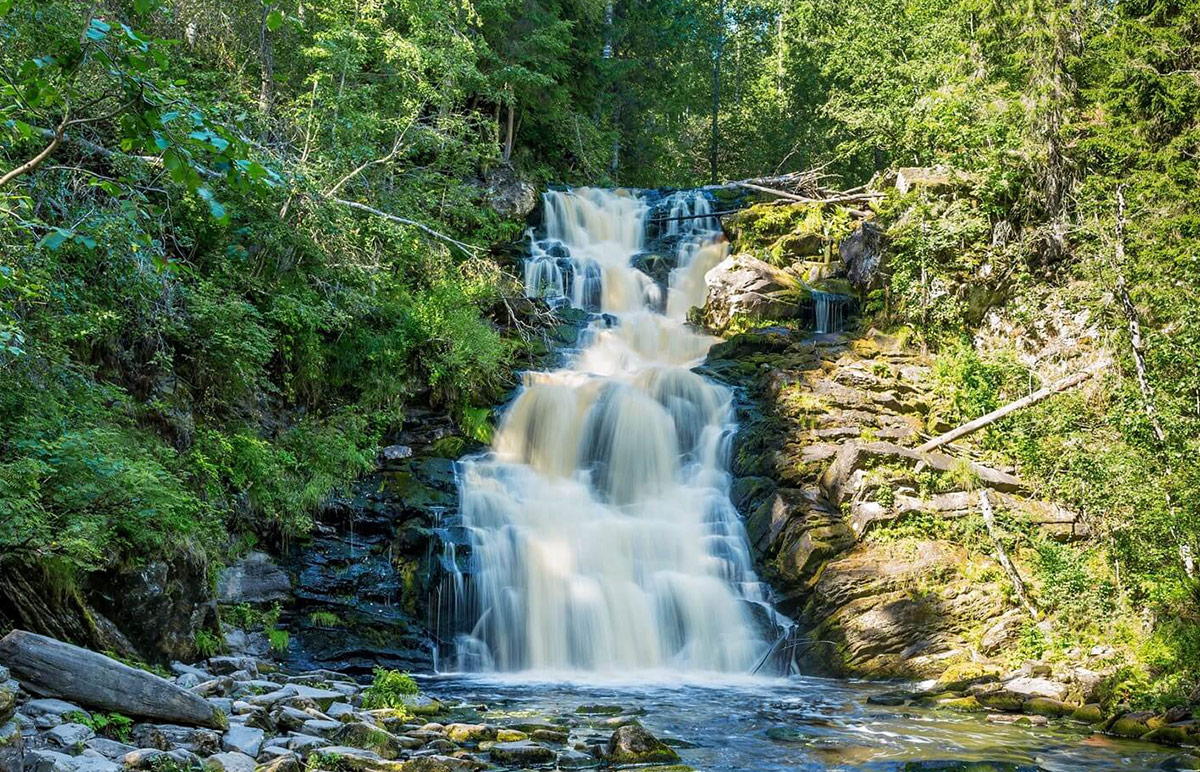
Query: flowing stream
point(601, 530)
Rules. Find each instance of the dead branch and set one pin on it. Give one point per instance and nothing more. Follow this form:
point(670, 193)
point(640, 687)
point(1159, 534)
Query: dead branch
point(1012, 407)
point(468, 249)
point(989, 520)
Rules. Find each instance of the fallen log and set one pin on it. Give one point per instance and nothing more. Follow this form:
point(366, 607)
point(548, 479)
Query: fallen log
point(996, 415)
point(51, 668)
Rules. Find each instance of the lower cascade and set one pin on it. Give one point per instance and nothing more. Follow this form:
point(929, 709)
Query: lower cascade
point(602, 537)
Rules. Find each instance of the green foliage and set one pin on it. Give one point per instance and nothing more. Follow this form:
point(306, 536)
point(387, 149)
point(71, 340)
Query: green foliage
point(324, 619)
point(279, 641)
point(208, 644)
point(390, 689)
point(111, 725)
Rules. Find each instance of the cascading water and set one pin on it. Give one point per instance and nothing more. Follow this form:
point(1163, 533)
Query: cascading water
point(830, 311)
point(601, 530)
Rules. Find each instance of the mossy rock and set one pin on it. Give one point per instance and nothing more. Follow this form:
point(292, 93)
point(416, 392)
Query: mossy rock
point(1010, 702)
point(1182, 733)
point(369, 738)
point(1048, 707)
point(963, 674)
point(1132, 725)
point(632, 744)
point(793, 247)
point(509, 736)
point(1089, 714)
point(966, 704)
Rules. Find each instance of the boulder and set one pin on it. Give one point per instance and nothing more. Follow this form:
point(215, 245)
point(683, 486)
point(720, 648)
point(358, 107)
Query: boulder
point(512, 197)
point(742, 286)
point(243, 739)
point(862, 255)
point(632, 744)
point(254, 579)
point(52, 668)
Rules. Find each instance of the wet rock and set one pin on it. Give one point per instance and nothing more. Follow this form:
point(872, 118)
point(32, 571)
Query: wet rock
point(632, 744)
point(1179, 733)
point(552, 736)
point(55, 668)
point(522, 752)
point(573, 759)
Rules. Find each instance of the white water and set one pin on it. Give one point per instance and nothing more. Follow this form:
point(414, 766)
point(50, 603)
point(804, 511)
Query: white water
point(602, 533)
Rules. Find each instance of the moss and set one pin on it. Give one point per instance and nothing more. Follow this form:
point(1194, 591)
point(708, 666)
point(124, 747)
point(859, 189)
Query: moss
point(1050, 708)
point(1089, 714)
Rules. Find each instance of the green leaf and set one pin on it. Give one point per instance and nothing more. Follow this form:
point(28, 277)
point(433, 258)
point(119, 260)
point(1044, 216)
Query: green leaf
point(274, 19)
point(145, 6)
point(5, 7)
point(55, 239)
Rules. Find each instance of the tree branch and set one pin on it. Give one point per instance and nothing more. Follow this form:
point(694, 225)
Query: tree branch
point(466, 248)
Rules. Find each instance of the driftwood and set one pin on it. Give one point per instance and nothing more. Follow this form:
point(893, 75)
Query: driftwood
point(52, 668)
point(989, 520)
point(996, 415)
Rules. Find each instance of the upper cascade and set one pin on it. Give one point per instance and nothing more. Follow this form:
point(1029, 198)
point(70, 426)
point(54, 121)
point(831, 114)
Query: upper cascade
point(601, 530)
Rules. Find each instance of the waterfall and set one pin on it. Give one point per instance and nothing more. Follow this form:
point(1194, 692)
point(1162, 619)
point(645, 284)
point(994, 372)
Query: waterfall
point(602, 535)
point(830, 311)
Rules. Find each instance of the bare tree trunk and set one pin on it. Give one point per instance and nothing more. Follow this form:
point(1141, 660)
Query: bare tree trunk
point(508, 136)
point(266, 56)
point(1135, 327)
point(989, 520)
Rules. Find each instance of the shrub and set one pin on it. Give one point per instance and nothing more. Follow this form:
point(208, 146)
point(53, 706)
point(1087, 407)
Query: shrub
point(390, 689)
